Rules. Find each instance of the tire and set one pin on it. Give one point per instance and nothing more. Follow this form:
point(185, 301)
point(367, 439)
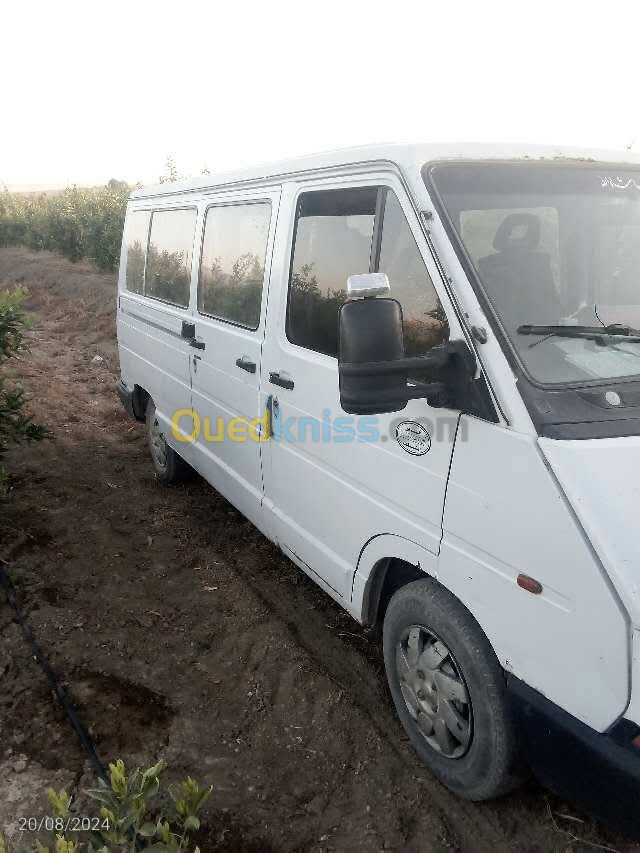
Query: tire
point(449, 691)
point(170, 468)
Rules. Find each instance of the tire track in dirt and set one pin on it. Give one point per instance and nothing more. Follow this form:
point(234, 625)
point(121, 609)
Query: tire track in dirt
point(304, 611)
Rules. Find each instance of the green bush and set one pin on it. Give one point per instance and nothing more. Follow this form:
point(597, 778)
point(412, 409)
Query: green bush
point(78, 223)
point(15, 425)
point(125, 822)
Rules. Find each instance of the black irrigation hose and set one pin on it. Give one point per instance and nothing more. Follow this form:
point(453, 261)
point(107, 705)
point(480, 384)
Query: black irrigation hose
point(61, 694)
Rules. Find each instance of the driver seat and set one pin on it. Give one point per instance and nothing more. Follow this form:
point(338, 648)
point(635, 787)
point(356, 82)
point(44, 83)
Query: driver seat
point(518, 278)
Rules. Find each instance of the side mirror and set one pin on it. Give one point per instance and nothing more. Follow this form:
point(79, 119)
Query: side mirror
point(370, 331)
point(372, 367)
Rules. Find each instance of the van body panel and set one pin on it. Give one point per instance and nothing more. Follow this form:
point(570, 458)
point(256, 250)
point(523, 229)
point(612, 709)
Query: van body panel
point(504, 516)
point(153, 354)
point(599, 478)
point(339, 475)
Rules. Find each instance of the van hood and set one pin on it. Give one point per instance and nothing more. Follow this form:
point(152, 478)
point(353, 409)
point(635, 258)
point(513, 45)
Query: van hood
point(601, 480)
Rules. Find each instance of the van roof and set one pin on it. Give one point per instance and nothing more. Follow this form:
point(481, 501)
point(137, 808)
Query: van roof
point(407, 157)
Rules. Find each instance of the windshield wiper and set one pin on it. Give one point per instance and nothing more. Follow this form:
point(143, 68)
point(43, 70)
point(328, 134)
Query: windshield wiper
point(601, 334)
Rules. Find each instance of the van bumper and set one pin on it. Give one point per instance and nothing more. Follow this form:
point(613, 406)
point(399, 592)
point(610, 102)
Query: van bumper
point(126, 398)
point(600, 772)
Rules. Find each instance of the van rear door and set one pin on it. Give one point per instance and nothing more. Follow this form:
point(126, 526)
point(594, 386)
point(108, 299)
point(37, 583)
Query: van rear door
point(154, 306)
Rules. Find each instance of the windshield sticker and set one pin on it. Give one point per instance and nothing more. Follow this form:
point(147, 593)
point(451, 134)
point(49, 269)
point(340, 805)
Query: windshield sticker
point(617, 182)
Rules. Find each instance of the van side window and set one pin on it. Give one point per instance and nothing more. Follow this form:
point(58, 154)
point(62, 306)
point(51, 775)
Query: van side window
point(136, 234)
point(424, 323)
point(168, 272)
point(333, 238)
point(348, 231)
point(233, 262)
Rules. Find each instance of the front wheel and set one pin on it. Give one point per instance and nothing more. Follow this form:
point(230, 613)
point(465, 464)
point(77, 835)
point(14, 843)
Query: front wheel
point(449, 691)
point(170, 468)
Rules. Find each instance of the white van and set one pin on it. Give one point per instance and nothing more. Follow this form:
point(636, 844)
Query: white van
point(417, 370)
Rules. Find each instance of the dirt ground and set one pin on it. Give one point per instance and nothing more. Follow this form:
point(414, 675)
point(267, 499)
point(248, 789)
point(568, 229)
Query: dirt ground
point(181, 632)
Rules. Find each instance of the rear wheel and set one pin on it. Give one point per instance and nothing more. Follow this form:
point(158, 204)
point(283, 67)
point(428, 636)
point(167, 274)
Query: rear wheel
point(449, 691)
point(170, 468)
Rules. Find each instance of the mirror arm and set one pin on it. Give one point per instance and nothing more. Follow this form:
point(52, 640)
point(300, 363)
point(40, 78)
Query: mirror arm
point(389, 368)
point(435, 393)
point(431, 391)
point(438, 358)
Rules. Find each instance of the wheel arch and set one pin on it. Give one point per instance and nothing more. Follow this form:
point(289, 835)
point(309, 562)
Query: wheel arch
point(387, 562)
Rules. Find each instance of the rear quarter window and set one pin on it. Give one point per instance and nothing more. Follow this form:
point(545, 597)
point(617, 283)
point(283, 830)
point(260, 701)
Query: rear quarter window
point(136, 233)
point(168, 270)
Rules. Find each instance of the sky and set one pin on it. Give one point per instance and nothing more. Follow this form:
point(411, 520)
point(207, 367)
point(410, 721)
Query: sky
point(98, 91)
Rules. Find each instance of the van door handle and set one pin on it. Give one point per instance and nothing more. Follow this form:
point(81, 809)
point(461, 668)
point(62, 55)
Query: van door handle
point(188, 330)
point(245, 363)
point(276, 379)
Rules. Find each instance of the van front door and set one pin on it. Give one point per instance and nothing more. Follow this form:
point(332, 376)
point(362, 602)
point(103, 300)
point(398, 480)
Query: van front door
point(332, 481)
point(229, 326)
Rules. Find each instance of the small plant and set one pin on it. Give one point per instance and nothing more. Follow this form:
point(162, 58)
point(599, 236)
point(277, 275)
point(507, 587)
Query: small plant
point(126, 822)
point(62, 846)
point(188, 798)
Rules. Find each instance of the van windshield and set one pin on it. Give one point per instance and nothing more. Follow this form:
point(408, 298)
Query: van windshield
point(556, 249)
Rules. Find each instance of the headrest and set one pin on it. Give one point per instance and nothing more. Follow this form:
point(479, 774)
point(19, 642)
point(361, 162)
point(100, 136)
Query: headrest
point(505, 238)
